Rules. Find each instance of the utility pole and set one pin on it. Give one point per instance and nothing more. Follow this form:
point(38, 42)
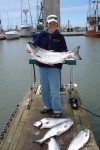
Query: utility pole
point(51, 7)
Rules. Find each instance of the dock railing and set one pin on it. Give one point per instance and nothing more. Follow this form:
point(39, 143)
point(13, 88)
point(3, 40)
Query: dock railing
point(70, 62)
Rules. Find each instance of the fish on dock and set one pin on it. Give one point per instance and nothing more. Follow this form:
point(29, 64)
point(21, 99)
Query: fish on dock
point(49, 122)
point(56, 130)
point(79, 140)
point(52, 144)
point(51, 57)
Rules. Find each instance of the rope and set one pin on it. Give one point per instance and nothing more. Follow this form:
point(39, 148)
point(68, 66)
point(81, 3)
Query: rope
point(75, 105)
point(90, 112)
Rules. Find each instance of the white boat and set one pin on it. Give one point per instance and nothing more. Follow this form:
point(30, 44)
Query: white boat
point(26, 30)
point(12, 35)
point(26, 27)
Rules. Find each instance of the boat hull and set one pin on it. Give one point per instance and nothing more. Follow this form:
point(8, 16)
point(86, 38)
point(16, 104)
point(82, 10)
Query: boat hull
point(92, 34)
point(12, 35)
point(93, 19)
point(26, 30)
point(2, 37)
point(26, 33)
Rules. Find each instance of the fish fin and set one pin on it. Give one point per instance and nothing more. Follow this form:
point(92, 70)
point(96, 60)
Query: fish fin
point(32, 44)
point(50, 64)
point(39, 141)
point(38, 56)
point(76, 53)
point(58, 133)
point(51, 51)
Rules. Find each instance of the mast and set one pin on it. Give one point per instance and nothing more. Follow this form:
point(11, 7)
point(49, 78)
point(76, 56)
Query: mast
point(97, 14)
point(89, 7)
point(68, 23)
point(37, 12)
point(25, 12)
point(8, 21)
point(0, 19)
point(21, 11)
point(30, 12)
point(0, 22)
point(40, 19)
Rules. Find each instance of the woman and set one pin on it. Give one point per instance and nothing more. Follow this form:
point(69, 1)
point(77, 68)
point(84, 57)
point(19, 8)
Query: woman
point(51, 39)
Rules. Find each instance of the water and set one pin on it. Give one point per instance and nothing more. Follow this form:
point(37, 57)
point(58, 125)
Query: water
point(15, 76)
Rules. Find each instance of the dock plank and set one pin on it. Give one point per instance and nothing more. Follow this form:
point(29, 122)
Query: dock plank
point(15, 138)
point(22, 134)
point(10, 134)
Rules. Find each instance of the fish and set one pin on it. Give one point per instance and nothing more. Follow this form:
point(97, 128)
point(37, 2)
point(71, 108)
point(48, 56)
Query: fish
point(52, 144)
point(56, 130)
point(79, 140)
point(49, 122)
point(49, 56)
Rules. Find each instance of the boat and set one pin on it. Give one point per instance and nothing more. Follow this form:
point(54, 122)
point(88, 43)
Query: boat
point(2, 35)
point(26, 28)
point(93, 19)
point(69, 27)
point(12, 35)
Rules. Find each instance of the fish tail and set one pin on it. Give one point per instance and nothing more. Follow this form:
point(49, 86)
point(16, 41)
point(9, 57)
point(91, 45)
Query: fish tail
point(76, 53)
point(38, 141)
point(32, 44)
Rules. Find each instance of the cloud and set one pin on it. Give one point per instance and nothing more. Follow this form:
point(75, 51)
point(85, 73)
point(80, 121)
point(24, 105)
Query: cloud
point(74, 9)
point(11, 10)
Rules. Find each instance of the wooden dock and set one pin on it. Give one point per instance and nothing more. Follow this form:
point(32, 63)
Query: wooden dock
point(21, 133)
point(73, 33)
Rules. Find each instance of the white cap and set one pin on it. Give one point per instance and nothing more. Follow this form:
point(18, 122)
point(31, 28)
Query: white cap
point(52, 18)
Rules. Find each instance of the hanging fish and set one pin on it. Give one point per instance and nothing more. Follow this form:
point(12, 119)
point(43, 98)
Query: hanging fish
point(49, 56)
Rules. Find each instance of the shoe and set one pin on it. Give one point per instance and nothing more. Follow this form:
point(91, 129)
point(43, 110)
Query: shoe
point(57, 115)
point(45, 110)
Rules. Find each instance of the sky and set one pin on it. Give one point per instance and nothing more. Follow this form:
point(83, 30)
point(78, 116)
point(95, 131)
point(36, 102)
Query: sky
point(73, 10)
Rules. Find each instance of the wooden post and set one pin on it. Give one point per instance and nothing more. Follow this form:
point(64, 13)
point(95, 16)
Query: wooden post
point(51, 7)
